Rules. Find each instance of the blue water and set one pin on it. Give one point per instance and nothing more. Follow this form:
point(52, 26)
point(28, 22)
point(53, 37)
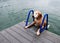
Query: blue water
point(15, 11)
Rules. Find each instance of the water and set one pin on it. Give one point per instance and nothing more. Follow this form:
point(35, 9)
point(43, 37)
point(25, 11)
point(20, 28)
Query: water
point(15, 11)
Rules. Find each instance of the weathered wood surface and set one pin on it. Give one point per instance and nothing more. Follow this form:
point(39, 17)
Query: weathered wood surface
point(17, 34)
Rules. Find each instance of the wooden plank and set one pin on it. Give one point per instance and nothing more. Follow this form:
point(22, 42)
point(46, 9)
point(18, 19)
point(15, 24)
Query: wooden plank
point(20, 32)
point(22, 24)
point(53, 35)
point(17, 36)
point(44, 40)
point(24, 30)
point(29, 38)
point(31, 33)
point(3, 39)
point(9, 37)
point(50, 37)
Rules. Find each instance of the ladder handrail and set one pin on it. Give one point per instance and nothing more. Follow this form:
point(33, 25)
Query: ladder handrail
point(45, 28)
point(29, 16)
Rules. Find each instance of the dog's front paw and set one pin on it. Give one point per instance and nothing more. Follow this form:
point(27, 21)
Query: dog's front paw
point(26, 27)
point(38, 32)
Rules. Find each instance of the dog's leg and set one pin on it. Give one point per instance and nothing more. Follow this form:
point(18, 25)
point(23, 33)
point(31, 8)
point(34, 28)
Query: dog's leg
point(38, 32)
point(32, 24)
point(37, 28)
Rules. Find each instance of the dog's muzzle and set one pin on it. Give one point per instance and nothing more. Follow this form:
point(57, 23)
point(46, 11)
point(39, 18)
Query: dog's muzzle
point(35, 15)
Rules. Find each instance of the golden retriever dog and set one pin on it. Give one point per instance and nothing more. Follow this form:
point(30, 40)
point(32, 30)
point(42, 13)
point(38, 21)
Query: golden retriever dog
point(37, 21)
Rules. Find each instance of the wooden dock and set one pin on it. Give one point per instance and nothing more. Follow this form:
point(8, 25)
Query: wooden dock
point(17, 34)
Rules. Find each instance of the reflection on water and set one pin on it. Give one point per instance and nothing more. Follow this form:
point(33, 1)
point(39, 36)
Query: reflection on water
point(13, 12)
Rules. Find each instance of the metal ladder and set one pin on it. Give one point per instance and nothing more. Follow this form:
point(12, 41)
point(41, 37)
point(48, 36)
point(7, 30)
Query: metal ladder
point(45, 17)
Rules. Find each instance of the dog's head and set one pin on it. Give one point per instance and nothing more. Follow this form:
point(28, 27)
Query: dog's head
point(37, 14)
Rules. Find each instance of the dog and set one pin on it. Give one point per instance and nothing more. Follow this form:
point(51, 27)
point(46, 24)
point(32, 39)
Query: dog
point(37, 21)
